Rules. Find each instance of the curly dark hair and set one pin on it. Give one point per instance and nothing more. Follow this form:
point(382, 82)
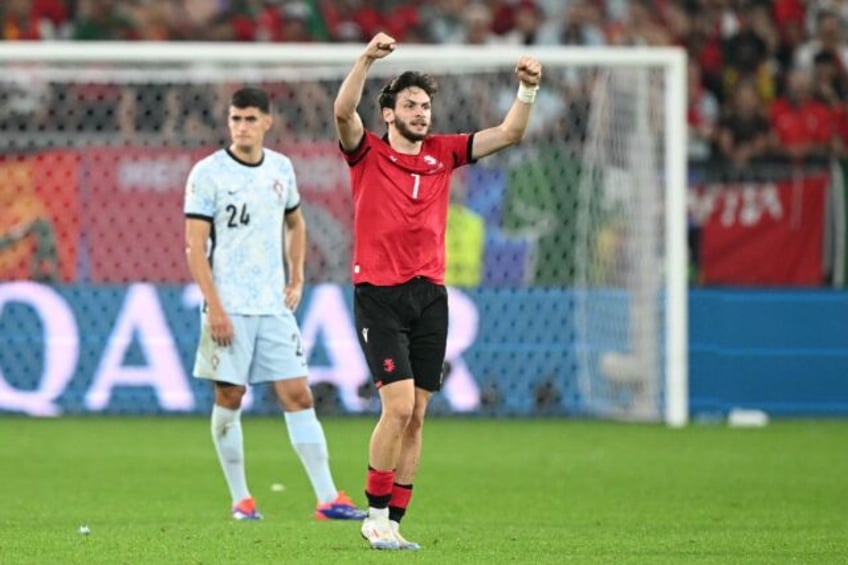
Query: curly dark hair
point(407, 79)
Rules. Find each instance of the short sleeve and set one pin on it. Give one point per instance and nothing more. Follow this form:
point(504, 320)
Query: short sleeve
point(292, 194)
point(459, 147)
point(199, 194)
point(361, 150)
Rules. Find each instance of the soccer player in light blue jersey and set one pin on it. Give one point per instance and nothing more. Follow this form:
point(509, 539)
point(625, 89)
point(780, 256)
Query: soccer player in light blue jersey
point(238, 202)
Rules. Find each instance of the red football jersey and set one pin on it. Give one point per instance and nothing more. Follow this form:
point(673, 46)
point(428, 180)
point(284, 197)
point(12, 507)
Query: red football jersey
point(400, 207)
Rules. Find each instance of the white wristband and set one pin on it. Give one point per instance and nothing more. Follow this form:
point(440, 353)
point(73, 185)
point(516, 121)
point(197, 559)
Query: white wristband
point(527, 94)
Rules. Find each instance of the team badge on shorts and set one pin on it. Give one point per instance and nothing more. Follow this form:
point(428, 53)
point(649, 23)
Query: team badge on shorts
point(389, 365)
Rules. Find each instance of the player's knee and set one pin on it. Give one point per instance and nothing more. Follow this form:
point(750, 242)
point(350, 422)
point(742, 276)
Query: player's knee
point(416, 422)
point(398, 411)
point(229, 396)
point(295, 399)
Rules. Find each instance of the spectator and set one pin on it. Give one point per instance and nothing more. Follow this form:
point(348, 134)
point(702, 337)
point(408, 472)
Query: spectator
point(764, 26)
point(840, 126)
point(701, 116)
point(704, 44)
point(830, 80)
point(813, 8)
point(296, 18)
point(503, 14)
point(830, 87)
point(155, 20)
point(198, 12)
point(102, 20)
point(298, 21)
point(615, 12)
point(17, 21)
point(829, 37)
point(352, 20)
point(801, 124)
point(446, 21)
point(527, 24)
point(235, 23)
point(578, 26)
point(677, 22)
point(744, 132)
point(33, 19)
point(641, 27)
point(555, 9)
point(286, 22)
point(477, 27)
point(405, 22)
point(789, 20)
point(747, 53)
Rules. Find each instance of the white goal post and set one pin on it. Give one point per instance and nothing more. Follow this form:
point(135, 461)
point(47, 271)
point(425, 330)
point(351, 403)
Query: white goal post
point(630, 319)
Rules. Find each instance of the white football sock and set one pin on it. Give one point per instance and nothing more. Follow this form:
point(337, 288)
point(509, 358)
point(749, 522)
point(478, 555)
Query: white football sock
point(229, 444)
point(307, 438)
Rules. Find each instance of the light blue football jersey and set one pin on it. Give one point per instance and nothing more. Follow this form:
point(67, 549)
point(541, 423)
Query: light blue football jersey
point(246, 205)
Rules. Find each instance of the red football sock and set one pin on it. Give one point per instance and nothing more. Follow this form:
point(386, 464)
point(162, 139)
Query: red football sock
point(378, 487)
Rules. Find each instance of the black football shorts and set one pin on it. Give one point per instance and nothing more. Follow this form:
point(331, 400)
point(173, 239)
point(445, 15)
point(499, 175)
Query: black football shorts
point(403, 331)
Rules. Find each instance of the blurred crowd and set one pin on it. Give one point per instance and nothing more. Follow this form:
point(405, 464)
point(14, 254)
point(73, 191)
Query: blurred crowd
point(767, 79)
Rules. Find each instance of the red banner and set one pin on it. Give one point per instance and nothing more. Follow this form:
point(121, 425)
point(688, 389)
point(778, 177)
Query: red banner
point(761, 233)
point(39, 217)
point(133, 218)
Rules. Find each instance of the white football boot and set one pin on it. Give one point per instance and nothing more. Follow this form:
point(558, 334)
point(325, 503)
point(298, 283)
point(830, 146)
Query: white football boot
point(377, 530)
point(403, 543)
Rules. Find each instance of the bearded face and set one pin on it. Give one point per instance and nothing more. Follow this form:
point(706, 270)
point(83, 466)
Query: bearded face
point(411, 114)
point(415, 131)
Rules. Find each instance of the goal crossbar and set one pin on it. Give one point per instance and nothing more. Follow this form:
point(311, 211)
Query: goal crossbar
point(448, 59)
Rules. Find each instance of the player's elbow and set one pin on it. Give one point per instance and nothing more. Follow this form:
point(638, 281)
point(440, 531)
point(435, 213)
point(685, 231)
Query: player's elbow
point(513, 135)
point(518, 137)
point(190, 251)
point(294, 221)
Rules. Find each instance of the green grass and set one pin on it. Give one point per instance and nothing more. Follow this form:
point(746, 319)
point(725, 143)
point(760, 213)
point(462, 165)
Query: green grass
point(488, 491)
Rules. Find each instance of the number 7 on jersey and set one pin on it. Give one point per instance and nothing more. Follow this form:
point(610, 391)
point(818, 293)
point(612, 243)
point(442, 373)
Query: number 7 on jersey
point(415, 185)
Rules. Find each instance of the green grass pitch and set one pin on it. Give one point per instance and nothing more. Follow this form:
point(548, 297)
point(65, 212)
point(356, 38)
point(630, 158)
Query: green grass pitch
point(488, 491)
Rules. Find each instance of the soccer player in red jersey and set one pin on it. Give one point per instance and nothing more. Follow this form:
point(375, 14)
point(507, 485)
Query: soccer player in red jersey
point(400, 185)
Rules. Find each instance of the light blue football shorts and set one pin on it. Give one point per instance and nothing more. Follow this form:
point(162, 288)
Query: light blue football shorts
point(264, 349)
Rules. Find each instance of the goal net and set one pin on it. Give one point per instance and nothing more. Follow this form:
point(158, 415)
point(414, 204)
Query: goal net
point(570, 247)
